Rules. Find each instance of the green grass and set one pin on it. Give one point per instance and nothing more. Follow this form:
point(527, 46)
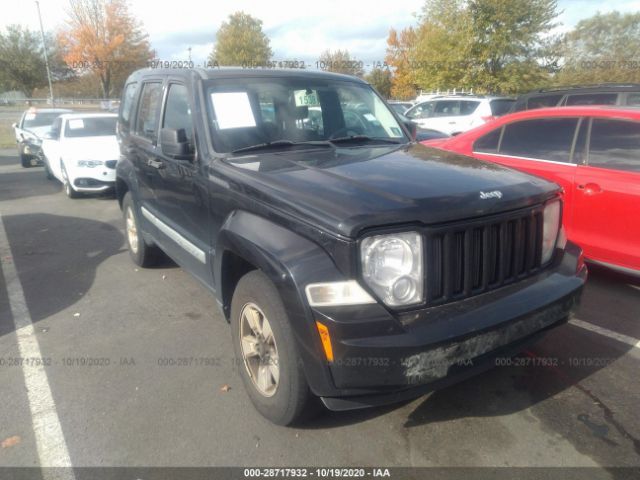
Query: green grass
point(7, 137)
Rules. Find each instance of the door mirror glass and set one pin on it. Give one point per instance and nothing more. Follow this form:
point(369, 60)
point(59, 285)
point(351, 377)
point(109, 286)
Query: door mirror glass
point(174, 144)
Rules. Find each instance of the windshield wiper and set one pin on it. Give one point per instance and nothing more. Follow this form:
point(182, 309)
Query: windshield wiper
point(280, 143)
point(363, 138)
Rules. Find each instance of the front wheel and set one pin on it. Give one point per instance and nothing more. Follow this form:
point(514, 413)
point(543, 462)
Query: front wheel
point(68, 188)
point(25, 160)
point(47, 169)
point(266, 352)
point(141, 253)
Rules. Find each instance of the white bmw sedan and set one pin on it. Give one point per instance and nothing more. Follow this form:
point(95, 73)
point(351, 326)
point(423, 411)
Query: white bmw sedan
point(81, 151)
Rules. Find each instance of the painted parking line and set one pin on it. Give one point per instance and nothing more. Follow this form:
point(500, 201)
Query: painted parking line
point(50, 443)
point(634, 342)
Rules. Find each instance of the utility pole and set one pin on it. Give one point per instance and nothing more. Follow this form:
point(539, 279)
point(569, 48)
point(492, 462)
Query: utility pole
point(46, 56)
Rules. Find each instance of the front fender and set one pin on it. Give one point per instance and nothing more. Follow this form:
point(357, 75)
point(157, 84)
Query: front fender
point(291, 262)
point(126, 180)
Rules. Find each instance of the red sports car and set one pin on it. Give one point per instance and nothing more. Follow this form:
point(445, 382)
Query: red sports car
point(592, 152)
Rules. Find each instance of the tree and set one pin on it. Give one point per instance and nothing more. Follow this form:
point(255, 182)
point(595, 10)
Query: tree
point(240, 41)
point(340, 61)
point(380, 79)
point(501, 46)
point(400, 55)
point(512, 42)
point(603, 48)
point(103, 37)
point(22, 65)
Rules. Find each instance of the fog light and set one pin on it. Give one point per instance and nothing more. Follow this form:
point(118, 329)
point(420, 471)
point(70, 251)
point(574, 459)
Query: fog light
point(403, 288)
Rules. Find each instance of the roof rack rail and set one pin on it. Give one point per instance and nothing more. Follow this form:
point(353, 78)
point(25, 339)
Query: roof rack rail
point(589, 85)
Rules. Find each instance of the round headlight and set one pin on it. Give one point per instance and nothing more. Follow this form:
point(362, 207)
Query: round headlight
point(392, 267)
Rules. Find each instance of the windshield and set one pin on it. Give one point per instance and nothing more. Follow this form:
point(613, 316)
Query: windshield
point(251, 111)
point(91, 127)
point(41, 119)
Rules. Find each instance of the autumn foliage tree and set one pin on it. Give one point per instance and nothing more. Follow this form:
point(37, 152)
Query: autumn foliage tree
point(400, 57)
point(104, 38)
point(499, 46)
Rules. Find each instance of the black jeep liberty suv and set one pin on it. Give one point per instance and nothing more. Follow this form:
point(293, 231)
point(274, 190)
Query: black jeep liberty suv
point(354, 265)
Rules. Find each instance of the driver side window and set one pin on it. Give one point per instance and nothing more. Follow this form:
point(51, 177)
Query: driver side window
point(177, 113)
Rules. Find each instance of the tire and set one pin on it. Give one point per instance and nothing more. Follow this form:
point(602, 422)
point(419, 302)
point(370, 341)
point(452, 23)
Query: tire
point(25, 160)
point(290, 400)
point(141, 253)
point(68, 189)
point(47, 170)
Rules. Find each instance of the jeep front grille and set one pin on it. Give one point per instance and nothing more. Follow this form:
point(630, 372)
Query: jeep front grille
point(474, 257)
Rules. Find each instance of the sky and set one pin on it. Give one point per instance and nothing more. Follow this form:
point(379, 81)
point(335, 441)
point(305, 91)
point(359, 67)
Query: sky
point(298, 31)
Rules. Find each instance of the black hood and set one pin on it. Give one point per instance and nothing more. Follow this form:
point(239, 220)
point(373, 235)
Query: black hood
point(347, 190)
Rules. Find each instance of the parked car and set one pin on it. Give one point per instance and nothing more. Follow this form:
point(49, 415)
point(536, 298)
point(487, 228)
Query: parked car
point(33, 124)
point(459, 113)
point(400, 107)
point(360, 269)
point(593, 153)
point(423, 134)
point(603, 94)
point(81, 151)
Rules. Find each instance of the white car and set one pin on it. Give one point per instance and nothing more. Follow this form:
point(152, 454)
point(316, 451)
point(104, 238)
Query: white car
point(81, 151)
point(29, 131)
point(456, 114)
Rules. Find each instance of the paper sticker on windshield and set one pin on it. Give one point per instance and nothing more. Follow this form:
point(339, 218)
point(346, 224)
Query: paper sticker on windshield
point(396, 132)
point(233, 110)
point(306, 98)
point(76, 124)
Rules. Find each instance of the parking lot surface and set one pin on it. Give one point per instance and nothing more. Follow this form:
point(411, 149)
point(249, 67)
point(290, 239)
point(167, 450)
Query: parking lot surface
point(140, 372)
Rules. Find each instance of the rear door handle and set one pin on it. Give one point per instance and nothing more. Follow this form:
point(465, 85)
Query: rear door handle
point(590, 188)
point(155, 164)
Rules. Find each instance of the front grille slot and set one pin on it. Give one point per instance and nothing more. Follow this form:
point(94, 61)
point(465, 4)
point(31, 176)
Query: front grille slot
point(467, 259)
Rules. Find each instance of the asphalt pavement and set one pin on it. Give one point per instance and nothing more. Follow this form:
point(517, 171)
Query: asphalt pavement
point(139, 369)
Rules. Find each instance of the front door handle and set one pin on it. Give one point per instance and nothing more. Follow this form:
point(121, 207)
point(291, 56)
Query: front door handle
point(590, 188)
point(155, 164)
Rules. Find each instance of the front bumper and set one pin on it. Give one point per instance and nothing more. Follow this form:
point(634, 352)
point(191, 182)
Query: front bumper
point(96, 179)
point(382, 358)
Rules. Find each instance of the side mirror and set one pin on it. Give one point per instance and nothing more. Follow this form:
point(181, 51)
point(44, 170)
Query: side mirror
point(174, 144)
point(14, 125)
point(412, 127)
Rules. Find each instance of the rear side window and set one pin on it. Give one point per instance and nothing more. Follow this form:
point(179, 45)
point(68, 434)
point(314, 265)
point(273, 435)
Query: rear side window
point(633, 99)
point(615, 144)
point(501, 106)
point(543, 101)
point(545, 139)
point(593, 99)
point(127, 102)
point(422, 110)
point(149, 110)
point(177, 113)
point(454, 108)
point(488, 143)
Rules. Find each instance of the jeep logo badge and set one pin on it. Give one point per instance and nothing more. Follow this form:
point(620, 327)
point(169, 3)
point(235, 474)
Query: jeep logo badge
point(492, 194)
